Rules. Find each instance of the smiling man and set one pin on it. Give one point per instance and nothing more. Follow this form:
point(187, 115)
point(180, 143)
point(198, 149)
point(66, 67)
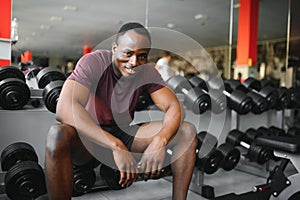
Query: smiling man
point(96, 108)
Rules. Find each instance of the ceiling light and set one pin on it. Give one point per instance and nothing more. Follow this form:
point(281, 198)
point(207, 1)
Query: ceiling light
point(170, 25)
point(198, 16)
point(69, 7)
point(56, 18)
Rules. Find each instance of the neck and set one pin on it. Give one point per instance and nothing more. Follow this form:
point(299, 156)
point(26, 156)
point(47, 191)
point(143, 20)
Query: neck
point(116, 70)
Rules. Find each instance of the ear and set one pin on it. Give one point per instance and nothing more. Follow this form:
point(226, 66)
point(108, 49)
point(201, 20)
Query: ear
point(114, 48)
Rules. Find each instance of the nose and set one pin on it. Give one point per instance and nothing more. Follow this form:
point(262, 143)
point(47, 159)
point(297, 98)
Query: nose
point(133, 60)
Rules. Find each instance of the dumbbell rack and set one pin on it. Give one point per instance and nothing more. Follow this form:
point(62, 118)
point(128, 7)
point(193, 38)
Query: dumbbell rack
point(243, 122)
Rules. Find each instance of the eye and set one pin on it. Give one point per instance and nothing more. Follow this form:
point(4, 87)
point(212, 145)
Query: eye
point(142, 56)
point(128, 54)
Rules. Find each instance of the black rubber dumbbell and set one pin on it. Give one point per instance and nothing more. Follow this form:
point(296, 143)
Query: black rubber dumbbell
point(14, 92)
point(231, 156)
point(208, 157)
point(295, 97)
point(259, 103)
point(51, 80)
point(271, 131)
point(293, 131)
point(284, 96)
point(83, 181)
point(255, 153)
point(268, 92)
point(236, 100)
point(24, 178)
point(84, 178)
point(218, 99)
point(194, 98)
point(144, 102)
point(112, 176)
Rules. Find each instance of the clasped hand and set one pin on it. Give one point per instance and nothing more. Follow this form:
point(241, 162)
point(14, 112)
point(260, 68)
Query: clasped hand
point(150, 165)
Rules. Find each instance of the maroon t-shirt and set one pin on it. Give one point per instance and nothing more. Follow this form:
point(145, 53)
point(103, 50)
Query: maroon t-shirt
point(113, 100)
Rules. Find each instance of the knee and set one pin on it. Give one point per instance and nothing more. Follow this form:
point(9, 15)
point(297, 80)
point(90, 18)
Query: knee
point(59, 139)
point(188, 134)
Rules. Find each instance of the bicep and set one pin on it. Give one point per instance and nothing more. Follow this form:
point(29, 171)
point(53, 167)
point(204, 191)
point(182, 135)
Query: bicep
point(164, 98)
point(72, 92)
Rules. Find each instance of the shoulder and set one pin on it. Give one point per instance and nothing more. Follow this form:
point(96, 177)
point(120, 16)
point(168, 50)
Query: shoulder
point(98, 56)
point(161, 61)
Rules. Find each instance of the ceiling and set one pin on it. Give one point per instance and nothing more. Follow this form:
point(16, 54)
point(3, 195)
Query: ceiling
point(64, 27)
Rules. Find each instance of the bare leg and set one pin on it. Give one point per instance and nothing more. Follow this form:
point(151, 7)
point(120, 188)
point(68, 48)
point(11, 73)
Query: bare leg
point(182, 168)
point(184, 153)
point(62, 142)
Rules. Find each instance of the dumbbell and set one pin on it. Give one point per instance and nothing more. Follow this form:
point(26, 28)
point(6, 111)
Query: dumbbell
point(255, 153)
point(83, 181)
point(293, 131)
point(259, 104)
point(252, 133)
point(24, 178)
point(14, 92)
point(144, 102)
point(284, 96)
point(217, 98)
point(268, 92)
point(295, 97)
point(231, 156)
point(271, 131)
point(208, 157)
point(194, 98)
point(236, 99)
point(84, 178)
point(51, 80)
point(112, 176)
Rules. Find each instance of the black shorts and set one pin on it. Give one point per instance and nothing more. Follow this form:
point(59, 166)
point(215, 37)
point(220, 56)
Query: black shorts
point(125, 134)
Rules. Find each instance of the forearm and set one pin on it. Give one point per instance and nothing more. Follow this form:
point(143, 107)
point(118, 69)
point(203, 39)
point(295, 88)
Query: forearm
point(174, 115)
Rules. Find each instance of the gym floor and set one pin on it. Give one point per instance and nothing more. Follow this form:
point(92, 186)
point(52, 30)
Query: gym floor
point(223, 182)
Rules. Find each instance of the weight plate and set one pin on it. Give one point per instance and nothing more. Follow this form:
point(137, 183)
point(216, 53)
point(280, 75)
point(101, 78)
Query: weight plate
point(252, 83)
point(14, 94)
point(231, 156)
point(271, 95)
point(16, 152)
point(197, 101)
point(259, 154)
point(11, 72)
point(24, 181)
point(211, 163)
point(240, 102)
point(284, 98)
point(48, 74)
point(51, 93)
point(83, 181)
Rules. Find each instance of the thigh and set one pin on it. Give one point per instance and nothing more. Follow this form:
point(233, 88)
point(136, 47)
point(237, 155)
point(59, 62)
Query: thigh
point(81, 150)
point(145, 135)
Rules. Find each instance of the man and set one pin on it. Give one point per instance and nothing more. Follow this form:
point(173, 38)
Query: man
point(162, 65)
point(97, 103)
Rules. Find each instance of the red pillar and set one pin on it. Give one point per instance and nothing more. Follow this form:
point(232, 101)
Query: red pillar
point(5, 26)
point(247, 36)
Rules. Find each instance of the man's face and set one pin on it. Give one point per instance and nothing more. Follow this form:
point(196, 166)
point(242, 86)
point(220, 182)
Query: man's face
point(131, 51)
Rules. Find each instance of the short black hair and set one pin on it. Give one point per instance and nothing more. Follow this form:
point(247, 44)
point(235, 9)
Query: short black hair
point(166, 53)
point(137, 27)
